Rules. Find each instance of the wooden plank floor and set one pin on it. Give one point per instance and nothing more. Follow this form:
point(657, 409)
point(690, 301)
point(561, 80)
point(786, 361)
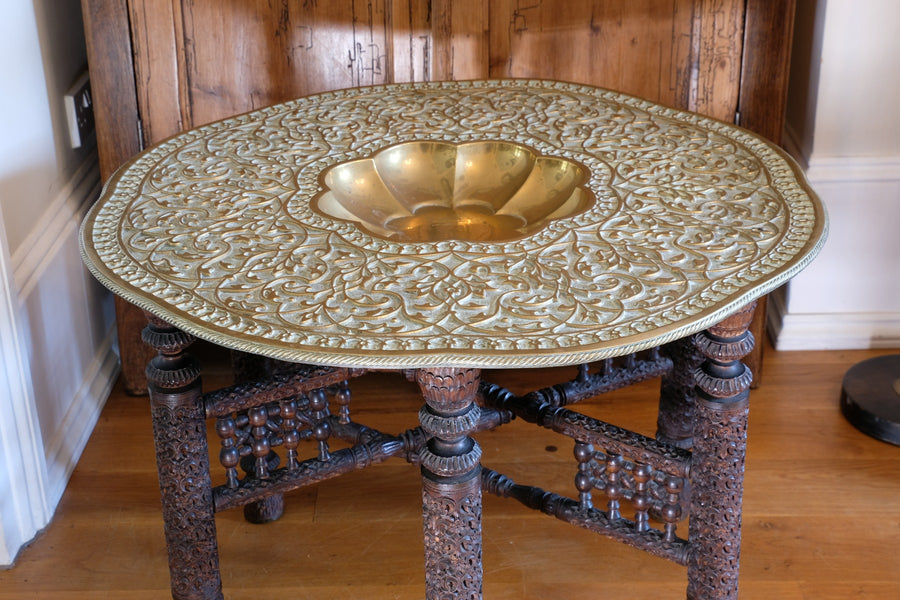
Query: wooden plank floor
point(821, 519)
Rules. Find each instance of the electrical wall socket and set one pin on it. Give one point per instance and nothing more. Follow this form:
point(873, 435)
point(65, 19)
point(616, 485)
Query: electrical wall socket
point(80, 110)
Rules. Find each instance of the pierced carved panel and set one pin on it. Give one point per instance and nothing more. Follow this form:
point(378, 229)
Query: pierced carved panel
point(657, 498)
point(452, 529)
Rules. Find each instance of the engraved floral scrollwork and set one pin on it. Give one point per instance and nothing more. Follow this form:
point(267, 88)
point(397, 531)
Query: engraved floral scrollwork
point(690, 217)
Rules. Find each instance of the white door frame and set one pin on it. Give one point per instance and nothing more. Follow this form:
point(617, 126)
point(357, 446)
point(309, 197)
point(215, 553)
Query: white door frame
point(23, 470)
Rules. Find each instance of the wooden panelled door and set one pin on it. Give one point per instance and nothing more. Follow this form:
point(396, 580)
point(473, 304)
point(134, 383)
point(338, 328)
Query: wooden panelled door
point(161, 66)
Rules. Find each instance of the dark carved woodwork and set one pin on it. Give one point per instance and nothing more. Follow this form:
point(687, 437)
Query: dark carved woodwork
point(369, 447)
point(717, 470)
point(571, 511)
point(650, 484)
point(648, 474)
point(299, 381)
point(717, 481)
point(677, 392)
point(534, 408)
point(321, 428)
point(314, 470)
point(452, 538)
point(451, 484)
point(245, 368)
point(259, 380)
point(612, 375)
point(184, 479)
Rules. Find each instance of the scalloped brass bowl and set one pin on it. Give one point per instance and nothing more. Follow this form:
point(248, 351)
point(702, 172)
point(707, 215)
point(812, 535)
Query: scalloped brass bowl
point(475, 191)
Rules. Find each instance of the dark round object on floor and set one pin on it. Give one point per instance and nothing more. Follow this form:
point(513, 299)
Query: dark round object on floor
point(870, 398)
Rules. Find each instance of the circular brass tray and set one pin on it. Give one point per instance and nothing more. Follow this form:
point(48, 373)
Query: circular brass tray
point(491, 223)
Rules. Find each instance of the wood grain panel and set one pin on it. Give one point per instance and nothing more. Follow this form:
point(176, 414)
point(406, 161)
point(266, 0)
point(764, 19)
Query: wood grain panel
point(411, 41)
point(640, 47)
point(106, 26)
point(684, 53)
point(156, 62)
point(717, 41)
point(461, 40)
point(112, 81)
point(768, 33)
point(766, 65)
point(245, 55)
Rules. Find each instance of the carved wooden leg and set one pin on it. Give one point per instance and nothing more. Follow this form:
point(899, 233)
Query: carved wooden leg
point(451, 475)
point(717, 470)
point(677, 392)
point(182, 459)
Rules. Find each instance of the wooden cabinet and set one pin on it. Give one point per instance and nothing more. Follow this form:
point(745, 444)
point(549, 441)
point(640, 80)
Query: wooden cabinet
point(161, 66)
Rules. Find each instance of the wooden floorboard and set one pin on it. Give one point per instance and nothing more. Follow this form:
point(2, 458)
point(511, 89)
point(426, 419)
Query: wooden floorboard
point(821, 512)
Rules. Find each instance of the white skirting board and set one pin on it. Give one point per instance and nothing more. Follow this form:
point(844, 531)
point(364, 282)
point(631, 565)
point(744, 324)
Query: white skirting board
point(849, 297)
point(830, 331)
point(65, 445)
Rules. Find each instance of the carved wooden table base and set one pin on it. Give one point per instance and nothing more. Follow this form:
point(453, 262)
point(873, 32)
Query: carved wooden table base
point(703, 399)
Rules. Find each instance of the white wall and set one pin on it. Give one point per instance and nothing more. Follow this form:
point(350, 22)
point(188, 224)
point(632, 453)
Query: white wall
point(843, 125)
point(56, 324)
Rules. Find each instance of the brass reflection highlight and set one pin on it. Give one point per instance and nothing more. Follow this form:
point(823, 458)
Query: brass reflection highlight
point(432, 191)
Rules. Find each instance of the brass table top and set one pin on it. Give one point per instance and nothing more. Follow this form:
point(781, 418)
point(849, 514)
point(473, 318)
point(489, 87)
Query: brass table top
point(487, 224)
